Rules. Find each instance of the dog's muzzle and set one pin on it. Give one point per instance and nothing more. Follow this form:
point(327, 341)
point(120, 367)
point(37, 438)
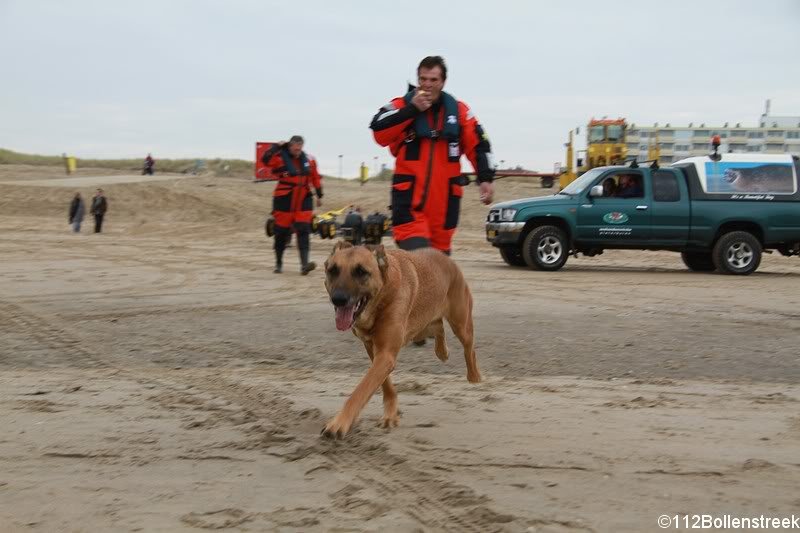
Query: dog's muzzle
point(347, 310)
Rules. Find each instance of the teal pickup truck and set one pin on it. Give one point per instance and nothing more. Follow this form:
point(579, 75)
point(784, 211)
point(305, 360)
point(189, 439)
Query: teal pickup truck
point(720, 212)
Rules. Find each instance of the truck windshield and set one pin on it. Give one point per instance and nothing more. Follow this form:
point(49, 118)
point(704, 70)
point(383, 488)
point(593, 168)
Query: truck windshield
point(615, 133)
point(597, 134)
point(577, 186)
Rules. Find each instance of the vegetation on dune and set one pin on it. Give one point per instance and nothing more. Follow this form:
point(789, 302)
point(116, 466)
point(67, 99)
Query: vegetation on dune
point(217, 166)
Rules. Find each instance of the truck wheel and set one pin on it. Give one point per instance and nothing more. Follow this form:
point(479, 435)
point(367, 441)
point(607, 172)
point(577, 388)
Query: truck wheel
point(698, 261)
point(737, 252)
point(545, 248)
point(512, 256)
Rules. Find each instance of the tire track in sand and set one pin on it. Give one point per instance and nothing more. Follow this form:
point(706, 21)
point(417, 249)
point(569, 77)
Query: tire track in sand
point(435, 502)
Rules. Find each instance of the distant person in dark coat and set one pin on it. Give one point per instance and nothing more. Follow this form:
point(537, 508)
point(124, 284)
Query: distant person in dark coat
point(76, 211)
point(149, 165)
point(99, 208)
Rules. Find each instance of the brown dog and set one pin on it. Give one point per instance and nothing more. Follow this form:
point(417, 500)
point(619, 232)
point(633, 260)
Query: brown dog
point(389, 298)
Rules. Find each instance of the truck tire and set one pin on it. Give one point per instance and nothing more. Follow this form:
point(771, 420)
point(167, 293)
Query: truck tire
point(545, 248)
point(737, 252)
point(547, 183)
point(512, 255)
point(698, 261)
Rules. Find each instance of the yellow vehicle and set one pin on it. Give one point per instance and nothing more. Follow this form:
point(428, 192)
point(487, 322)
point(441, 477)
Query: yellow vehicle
point(369, 230)
point(328, 216)
point(654, 150)
point(324, 222)
point(373, 228)
point(605, 145)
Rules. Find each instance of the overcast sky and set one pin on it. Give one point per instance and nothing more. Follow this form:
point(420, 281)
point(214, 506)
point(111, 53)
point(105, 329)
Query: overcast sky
point(209, 78)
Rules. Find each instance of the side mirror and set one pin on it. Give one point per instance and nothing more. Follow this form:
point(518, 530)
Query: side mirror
point(596, 192)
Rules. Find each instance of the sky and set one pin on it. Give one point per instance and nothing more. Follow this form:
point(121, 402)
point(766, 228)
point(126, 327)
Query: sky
point(204, 79)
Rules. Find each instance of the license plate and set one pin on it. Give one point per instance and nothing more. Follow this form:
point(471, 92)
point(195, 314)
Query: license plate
point(491, 234)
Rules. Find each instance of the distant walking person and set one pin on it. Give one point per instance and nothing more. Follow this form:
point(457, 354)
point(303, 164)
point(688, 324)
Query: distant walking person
point(292, 203)
point(99, 208)
point(76, 212)
point(66, 163)
point(149, 165)
point(70, 163)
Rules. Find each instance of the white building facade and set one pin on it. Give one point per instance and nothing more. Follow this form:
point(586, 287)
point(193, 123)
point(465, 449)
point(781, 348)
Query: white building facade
point(773, 135)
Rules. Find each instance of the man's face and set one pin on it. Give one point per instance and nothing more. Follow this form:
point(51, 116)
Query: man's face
point(430, 80)
point(295, 149)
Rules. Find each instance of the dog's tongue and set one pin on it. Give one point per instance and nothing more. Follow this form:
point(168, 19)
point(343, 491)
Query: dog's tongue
point(344, 317)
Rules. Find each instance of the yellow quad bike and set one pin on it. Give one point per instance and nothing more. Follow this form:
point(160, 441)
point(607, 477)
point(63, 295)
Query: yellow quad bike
point(324, 223)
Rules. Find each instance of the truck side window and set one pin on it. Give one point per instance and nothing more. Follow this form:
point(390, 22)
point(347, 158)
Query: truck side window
point(609, 187)
point(629, 186)
point(665, 187)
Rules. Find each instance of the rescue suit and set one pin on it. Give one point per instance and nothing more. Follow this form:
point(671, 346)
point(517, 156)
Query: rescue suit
point(292, 200)
point(427, 185)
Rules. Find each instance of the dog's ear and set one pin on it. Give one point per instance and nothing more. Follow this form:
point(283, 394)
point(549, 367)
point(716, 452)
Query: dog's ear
point(380, 256)
point(340, 245)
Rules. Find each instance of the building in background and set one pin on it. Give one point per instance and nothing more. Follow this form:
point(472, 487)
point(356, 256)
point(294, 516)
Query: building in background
point(773, 135)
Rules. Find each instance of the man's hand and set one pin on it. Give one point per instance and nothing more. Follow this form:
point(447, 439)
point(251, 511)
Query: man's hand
point(319, 202)
point(421, 100)
point(487, 192)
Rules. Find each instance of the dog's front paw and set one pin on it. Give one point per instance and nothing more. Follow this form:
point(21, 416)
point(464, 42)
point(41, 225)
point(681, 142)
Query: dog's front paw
point(474, 377)
point(337, 428)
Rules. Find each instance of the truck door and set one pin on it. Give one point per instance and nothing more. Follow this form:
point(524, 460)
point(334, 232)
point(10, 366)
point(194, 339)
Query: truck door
point(671, 208)
point(621, 216)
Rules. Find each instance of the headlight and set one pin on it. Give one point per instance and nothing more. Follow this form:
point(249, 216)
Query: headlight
point(507, 215)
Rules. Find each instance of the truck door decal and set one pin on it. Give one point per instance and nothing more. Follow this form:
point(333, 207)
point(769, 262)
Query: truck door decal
point(615, 217)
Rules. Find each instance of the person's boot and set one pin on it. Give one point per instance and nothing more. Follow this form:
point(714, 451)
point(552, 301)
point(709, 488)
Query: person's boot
point(280, 247)
point(306, 266)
